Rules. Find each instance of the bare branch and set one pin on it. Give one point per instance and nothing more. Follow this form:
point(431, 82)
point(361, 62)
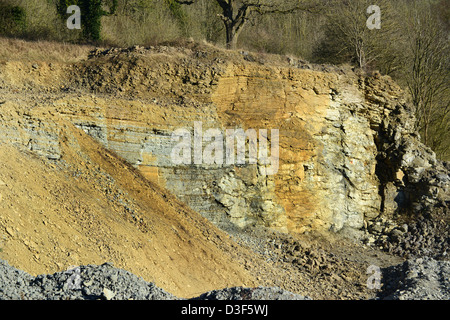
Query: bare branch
point(186, 2)
point(235, 13)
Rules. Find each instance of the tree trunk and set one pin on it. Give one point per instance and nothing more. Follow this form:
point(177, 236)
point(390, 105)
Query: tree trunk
point(231, 36)
point(360, 54)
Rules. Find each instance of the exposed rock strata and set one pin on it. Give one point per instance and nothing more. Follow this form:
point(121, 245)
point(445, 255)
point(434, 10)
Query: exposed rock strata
point(348, 147)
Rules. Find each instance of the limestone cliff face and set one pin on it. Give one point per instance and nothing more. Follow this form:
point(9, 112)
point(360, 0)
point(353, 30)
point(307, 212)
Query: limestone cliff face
point(347, 147)
point(326, 176)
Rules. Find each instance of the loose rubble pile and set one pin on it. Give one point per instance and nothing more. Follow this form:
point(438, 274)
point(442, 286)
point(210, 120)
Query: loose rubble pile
point(417, 279)
point(423, 237)
point(311, 267)
point(105, 282)
point(80, 283)
point(420, 225)
point(259, 293)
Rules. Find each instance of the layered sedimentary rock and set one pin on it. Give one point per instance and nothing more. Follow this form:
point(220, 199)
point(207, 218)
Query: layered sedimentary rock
point(347, 147)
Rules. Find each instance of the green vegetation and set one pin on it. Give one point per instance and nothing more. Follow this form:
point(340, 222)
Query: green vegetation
point(92, 12)
point(12, 19)
point(411, 46)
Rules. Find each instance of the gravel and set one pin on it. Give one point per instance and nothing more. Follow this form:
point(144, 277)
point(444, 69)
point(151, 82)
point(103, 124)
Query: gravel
point(427, 236)
point(105, 282)
point(259, 293)
point(415, 279)
point(80, 283)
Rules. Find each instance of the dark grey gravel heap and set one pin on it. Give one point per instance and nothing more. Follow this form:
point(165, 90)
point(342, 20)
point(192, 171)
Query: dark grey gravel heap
point(417, 279)
point(14, 283)
point(81, 283)
point(259, 293)
point(427, 236)
point(105, 282)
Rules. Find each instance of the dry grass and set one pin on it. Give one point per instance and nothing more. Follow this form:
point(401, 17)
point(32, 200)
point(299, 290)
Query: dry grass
point(49, 51)
point(148, 28)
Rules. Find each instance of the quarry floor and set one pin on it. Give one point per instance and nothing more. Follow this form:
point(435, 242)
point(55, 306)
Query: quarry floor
point(316, 266)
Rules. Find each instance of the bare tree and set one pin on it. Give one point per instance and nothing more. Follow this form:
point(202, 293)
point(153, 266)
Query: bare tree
point(236, 13)
point(348, 37)
point(427, 75)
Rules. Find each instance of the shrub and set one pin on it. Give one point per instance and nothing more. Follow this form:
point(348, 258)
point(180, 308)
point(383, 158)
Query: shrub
point(12, 19)
point(91, 15)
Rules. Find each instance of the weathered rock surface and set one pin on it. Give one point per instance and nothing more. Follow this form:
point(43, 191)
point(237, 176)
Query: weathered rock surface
point(348, 147)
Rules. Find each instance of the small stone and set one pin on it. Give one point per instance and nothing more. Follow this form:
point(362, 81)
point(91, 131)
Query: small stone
point(86, 291)
point(376, 228)
point(404, 228)
point(108, 294)
point(396, 234)
point(114, 277)
point(10, 231)
point(108, 264)
point(88, 283)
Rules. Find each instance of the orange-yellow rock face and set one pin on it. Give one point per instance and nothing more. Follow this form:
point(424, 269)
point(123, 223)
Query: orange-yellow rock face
point(132, 103)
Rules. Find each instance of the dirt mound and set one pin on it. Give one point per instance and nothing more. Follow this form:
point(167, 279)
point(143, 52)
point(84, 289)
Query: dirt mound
point(415, 279)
